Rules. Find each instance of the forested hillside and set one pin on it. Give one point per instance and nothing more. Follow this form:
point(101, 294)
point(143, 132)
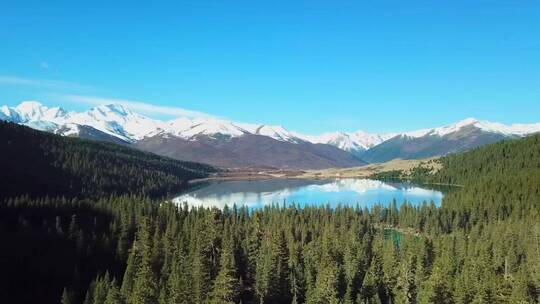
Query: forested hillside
point(501, 181)
point(481, 246)
point(41, 164)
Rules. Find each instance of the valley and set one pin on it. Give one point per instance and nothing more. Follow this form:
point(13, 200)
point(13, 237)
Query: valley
point(367, 171)
point(98, 231)
point(405, 165)
point(270, 152)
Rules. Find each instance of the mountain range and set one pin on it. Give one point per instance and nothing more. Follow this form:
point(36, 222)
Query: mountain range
point(231, 144)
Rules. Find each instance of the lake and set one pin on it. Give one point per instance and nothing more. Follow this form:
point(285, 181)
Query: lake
point(352, 192)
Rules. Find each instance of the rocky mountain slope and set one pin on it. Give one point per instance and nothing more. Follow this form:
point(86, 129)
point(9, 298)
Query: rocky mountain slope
point(250, 150)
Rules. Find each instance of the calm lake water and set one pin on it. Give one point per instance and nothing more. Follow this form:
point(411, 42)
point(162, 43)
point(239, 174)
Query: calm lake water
point(256, 194)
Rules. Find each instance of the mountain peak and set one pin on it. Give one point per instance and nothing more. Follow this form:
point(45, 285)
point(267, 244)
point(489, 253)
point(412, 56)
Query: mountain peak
point(467, 121)
point(277, 132)
point(5, 109)
point(30, 110)
point(211, 127)
point(29, 105)
point(351, 142)
point(268, 128)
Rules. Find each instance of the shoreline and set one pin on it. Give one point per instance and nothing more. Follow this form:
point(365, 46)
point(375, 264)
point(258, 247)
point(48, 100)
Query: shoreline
point(246, 174)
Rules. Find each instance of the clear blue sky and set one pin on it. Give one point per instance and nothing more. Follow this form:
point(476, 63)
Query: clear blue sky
point(311, 66)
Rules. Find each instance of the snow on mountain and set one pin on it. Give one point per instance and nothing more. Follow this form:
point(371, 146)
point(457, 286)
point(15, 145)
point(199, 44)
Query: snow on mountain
point(189, 128)
point(33, 114)
point(352, 142)
point(9, 114)
point(514, 129)
point(361, 141)
point(69, 129)
point(368, 140)
point(277, 133)
point(114, 120)
point(341, 140)
point(120, 122)
point(441, 131)
point(487, 126)
point(30, 110)
point(204, 126)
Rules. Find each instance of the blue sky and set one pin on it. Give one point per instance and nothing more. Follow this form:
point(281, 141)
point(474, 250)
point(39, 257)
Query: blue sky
point(312, 66)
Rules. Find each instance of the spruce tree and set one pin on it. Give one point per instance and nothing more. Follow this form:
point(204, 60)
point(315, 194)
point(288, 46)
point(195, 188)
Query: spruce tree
point(145, 289)
point(113, 295)
point(131, 270)
point(67, 297)
point(179, 282)
point(226, 287)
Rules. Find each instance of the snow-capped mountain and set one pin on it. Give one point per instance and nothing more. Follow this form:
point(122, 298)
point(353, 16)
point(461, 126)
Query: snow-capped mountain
point(360, 141)
point(486, 126)
point(116, 120)
point(34, 115)
point(118, 124)
point(462, 135)
point(351, 142)
point(278, 133)
point(191, 128)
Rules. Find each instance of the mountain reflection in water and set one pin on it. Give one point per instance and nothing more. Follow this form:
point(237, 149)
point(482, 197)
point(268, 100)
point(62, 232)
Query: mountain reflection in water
point(256, 194)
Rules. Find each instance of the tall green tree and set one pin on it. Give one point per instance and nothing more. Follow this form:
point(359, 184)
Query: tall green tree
point(226, 287)
point(145, 289)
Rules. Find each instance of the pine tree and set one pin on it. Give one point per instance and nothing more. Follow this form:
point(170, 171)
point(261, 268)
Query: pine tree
point(372, 286)
point(145, 286)
point(101, 288)
point(352, 267)
point(113, 295)
point(326, 285)
point(406, 290)
point(437, 289)
point(281, 291)
point(131, 270)
point(265, 272)
point(87, 298)
point(67, 297)
point(226, 287)
point(179, 281)
point(523, 289)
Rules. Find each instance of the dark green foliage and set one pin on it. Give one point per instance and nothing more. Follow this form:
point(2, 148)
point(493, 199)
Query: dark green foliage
point(226, 289)
point(37, 163)
point(481, 246)
point(388, 175)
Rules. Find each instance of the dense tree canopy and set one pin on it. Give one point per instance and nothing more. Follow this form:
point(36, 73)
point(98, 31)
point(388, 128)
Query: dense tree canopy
point(42, 164)
point(481, 246)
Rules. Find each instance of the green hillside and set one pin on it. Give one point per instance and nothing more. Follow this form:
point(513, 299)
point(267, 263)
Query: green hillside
point(499, 181)
point(41, 164)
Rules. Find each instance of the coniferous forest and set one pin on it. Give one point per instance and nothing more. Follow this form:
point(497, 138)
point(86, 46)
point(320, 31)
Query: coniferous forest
point(125, 245)
point(42, 164)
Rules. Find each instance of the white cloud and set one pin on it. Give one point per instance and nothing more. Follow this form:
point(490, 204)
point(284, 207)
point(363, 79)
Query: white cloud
point(44, 83)
point(44, 65)
point(137, 106)
point(134, 105)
